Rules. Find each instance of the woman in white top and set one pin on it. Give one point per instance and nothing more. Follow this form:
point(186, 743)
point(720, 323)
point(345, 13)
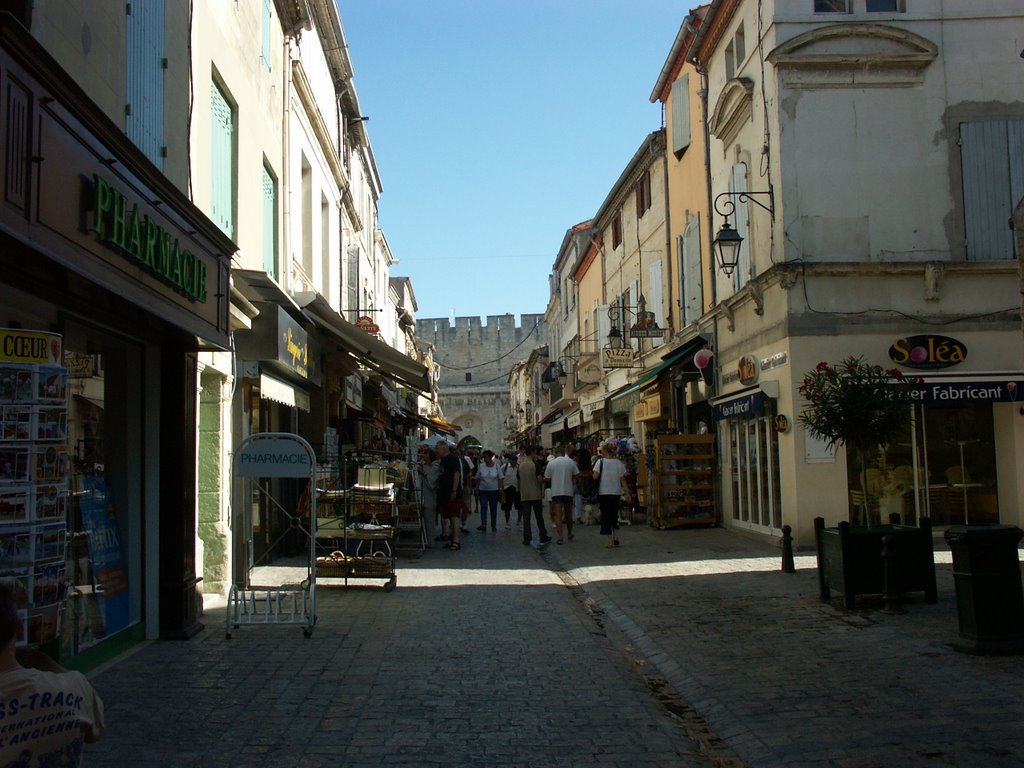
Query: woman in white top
point(490, 482)
point(610, 474)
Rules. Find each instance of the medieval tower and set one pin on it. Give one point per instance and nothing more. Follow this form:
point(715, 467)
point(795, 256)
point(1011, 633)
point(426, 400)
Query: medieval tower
point(475, 360)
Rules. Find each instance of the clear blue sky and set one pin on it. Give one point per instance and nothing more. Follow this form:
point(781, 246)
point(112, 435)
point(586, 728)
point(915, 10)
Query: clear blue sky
point(496, 126)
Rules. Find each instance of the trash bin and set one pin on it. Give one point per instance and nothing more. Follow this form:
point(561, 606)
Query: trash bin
point(989, 598)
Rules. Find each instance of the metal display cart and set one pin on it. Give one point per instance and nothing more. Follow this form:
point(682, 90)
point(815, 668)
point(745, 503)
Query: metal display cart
point(262, 592)
point(357, 532)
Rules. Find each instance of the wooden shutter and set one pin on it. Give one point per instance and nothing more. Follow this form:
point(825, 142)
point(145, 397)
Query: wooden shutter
point(267, 18)
point(681, 115)
point(269, 223)
point(992, 157)
point(741, 221)
point(144, 100)
point(691, 292)
point(222, 153)
point(655, 298)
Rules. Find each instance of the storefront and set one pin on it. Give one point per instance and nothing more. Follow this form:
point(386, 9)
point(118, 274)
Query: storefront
point(957, 463)
point(128, 281)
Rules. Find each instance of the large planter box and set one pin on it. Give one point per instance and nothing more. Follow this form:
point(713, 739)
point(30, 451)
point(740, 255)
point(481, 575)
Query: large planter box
point(850, 560)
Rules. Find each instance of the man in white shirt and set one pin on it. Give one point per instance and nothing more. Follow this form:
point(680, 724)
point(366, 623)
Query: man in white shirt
point(47, 711)
point(560, 476)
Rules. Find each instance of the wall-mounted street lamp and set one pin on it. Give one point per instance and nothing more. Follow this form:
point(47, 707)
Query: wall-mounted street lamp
point(727, 243)
point(645, 325)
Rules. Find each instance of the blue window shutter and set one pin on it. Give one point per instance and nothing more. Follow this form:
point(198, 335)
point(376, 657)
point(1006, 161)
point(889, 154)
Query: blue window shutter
point(681, 115)
point(269, 223)
point(144, 100)
point(993, 180)
point(223, 160)
point(267, 19)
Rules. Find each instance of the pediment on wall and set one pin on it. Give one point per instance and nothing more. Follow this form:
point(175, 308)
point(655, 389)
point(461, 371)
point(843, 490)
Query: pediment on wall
point(733, 108)
point(854, 56)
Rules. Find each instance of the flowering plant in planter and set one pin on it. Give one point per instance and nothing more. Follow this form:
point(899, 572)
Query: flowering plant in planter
point(856, 404)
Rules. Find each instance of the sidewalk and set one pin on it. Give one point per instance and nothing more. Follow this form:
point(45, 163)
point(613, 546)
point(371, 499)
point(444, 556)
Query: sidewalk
point(779, 678)
point(680, 648)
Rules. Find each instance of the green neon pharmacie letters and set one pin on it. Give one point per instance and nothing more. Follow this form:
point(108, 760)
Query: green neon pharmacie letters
point(119, 225)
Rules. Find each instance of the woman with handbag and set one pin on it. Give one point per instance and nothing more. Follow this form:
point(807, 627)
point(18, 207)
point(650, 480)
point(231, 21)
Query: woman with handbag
point(610, 474)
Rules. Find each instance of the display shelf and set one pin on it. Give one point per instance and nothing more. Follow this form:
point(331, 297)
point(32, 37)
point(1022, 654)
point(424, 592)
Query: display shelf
point(685, 481)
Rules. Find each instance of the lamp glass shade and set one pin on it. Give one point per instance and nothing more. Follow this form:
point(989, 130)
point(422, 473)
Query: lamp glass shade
point(728, 245)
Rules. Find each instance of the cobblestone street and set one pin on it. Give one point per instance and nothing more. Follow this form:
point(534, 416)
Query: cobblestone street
point(681, 648)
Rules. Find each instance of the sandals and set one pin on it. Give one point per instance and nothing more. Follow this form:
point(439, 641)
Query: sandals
point(453, 545)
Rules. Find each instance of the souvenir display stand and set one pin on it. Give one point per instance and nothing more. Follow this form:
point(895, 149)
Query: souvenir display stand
point(259, 460)
point(357, 530)
point(684, 481)
point(34, 476)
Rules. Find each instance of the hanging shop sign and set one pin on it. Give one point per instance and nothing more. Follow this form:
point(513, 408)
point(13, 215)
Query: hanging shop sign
point(613, 357)
point(120, 226)
point(927, 352)
point(365, 323)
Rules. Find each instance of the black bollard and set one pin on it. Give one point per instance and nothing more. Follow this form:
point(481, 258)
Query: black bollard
point(787, 550)
point(890, 576)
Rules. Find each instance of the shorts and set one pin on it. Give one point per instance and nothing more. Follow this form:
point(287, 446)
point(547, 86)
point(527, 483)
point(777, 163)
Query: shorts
point(451, 507)
point(565, 501)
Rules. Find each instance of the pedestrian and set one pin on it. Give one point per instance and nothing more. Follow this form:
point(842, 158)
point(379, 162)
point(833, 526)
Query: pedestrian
point(430, 473)
point(610, 475)
point(468, 469)
point(584, 481)
point(489, 483)
point(560, 478)
point(530, 495)
point(449, 495)
point(48, 713)
point(510, 494)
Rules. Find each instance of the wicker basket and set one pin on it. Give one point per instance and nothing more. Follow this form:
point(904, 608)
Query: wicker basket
point(336, 564)
point(378, 565)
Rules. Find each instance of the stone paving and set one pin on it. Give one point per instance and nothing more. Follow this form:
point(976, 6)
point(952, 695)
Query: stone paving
point(681, 648)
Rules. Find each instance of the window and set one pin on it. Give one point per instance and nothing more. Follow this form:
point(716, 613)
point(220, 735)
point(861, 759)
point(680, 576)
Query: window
point(222, 153)
point(755, 471)
point(352, 279)
point(680, 115)
point(741, 222)
point(831, 6)
point(307, 217)
point(993, 182)
point(735, 52)
point(269, 222)
point(326, 284)
point(617, 230)
point(886, 6)
point(643, 194)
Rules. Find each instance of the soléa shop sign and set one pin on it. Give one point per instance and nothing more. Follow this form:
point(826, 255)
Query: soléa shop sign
point(274, 457)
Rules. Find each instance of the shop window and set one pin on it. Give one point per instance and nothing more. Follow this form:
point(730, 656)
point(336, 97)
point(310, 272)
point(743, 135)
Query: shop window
point(105, 521)
point(951, 450)
point(755, 473)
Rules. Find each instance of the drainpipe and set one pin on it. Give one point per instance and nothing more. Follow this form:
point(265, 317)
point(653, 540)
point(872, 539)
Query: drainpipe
point(285, 259)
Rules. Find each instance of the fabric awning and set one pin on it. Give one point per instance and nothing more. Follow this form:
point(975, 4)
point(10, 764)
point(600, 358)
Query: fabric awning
point(283, 392)
point(370, 351)
point(679, 355)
